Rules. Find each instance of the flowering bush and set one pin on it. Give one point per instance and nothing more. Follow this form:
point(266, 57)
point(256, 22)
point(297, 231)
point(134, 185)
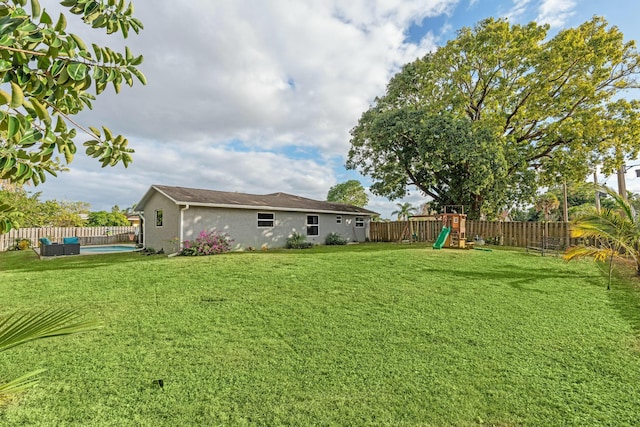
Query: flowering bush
point(23, 244)
point(207, 243)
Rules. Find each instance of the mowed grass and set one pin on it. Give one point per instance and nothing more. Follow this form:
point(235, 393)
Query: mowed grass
point(373, 334)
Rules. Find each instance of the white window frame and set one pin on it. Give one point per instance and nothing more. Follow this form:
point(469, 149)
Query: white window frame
point(159, 218)
point(359, 222)
point(313, 225)
point(268, 219)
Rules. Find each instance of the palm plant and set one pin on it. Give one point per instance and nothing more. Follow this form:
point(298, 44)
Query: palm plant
point(20, 328)
point(613, 232)
point(404, 211)
point(546, 203)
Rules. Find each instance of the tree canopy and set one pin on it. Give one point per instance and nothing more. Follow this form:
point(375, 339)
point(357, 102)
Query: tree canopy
point(350, 192)
point(501, 110)
point(115, 218)
point(47, 74)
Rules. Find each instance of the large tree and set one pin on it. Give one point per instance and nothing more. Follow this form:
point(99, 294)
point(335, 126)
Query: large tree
point(48, 76)
point(539, 110)
point(115, 218)
point(36, 213)
point(350, 192)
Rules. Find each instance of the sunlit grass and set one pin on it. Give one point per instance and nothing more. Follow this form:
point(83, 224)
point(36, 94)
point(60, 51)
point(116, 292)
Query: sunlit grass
point(374, 334)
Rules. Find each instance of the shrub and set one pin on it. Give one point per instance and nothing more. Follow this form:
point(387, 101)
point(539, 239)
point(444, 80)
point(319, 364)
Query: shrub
point(207, 243)
point(23, 244)
point(298, 241)
point(335, 239)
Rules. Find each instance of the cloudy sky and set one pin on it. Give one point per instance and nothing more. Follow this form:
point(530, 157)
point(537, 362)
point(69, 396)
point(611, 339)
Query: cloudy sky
point(259, 96)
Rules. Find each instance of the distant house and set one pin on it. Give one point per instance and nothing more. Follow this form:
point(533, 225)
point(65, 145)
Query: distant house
point(172, 215)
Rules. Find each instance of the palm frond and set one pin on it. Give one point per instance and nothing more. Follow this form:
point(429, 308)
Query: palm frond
point(20, 383)
point(598, 254)
point(20, 328)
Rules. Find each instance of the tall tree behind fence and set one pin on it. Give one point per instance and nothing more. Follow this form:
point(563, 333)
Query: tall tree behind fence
point(517, 234)
point(87, 235)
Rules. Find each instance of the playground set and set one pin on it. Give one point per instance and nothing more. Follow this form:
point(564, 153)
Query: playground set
point(453, 233)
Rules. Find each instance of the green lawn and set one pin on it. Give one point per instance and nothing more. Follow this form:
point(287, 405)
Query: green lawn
point(372, 334)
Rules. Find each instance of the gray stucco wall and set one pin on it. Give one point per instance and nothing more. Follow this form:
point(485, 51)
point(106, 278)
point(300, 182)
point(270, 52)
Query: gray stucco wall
point(166, 236)
point(242, 226)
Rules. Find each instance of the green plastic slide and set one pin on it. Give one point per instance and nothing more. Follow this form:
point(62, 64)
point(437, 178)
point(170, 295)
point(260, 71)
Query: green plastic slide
point(444, 233)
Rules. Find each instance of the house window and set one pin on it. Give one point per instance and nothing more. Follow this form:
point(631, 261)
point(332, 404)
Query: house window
point(359, 222)
point(312, 225)
point(338, 219)
point(159, 218)
point(266, 219)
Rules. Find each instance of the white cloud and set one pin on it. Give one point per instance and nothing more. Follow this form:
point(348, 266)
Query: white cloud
point(555, 12)
point(278, 77)
point(518, 9)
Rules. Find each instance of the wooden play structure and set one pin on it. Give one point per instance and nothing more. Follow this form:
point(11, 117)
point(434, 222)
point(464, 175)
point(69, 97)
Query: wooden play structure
point(454, 233)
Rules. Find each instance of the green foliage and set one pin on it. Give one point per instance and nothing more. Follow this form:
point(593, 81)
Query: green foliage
point(35, 213)
point(404, 211)
point(47, 74)
point(350, 192)
point(298, 241)
point(22, 244)
point(115, 218)
point(523, 110)
point(547, 203)
point(207, 243)
point(612, 232)
point(335, 239)
point(22, 328)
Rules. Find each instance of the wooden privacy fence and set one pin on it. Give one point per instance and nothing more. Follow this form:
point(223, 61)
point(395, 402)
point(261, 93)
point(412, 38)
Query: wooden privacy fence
point(511, 233)
point(87, 235)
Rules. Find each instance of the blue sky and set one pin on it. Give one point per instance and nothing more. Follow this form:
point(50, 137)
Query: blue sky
point(259, 97)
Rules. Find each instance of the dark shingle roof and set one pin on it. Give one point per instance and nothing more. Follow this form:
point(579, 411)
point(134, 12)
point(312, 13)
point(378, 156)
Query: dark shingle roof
point(279, 201)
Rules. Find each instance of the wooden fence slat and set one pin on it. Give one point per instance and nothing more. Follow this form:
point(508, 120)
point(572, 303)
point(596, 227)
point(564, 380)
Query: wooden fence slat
point(87, 235)
point(511, 233)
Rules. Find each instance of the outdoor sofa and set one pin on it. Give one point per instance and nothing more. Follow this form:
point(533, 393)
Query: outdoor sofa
point(69, 246)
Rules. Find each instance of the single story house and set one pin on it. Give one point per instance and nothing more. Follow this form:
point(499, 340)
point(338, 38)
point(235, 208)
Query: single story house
point(172, 215)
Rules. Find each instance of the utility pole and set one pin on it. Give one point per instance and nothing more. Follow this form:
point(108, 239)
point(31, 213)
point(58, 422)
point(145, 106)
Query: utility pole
point(622, 185)
point(565, 208)
point(595, 181)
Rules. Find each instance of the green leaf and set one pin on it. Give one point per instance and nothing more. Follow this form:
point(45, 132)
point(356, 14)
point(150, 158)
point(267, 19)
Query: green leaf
point(41, 110)
point(77, 71)
point(61, 25)
point(35, 8)
point(22, 328)
point(107, 133)
point(13, 127)
point(25, 381)
point(97, 51)
point(68, 155)
point(138, 74)
point(5, 98)
point(79, 42)
point(17, 96)
point(95, 131)
point(129, 10)
point(45, 18)
point(61, 125)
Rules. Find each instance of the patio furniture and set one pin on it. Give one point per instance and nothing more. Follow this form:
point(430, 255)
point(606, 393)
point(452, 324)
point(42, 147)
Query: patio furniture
point(71, 246)
point(50, 249)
